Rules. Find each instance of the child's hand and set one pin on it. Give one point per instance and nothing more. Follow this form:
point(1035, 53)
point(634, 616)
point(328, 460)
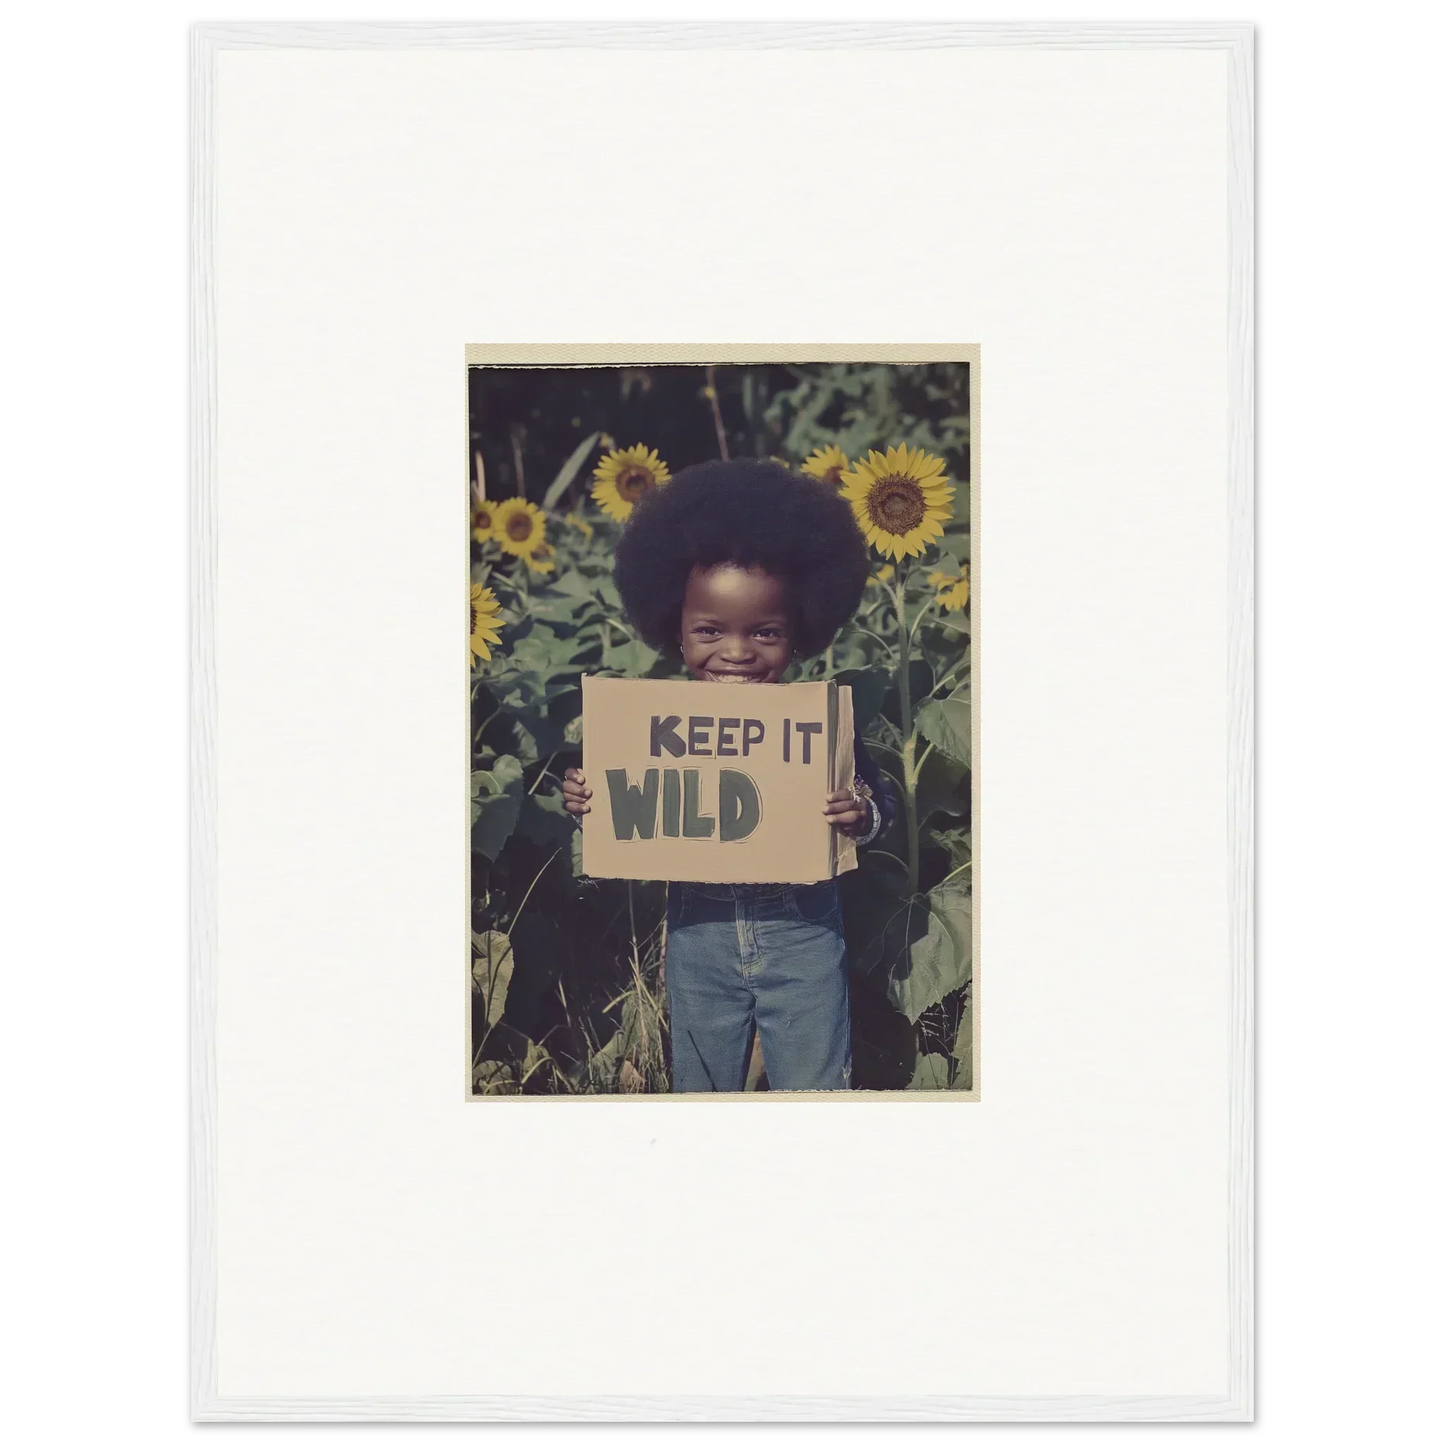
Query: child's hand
point(575, 792)
point(848, 813)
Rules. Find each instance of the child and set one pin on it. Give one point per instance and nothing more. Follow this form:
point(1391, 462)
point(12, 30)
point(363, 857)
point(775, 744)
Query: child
point(739, 567)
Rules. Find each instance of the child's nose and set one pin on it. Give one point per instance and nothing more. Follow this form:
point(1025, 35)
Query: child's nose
point(737, 649)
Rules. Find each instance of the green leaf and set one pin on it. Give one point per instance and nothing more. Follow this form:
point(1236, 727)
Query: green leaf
point(920, 962)
point(492, 972)
point(568, 474)
point(927, 948)
point(574, 584)
point(631, 659)
point(931, 1072)
point(953, 902)
point(853, 651)
point(492, 1076)
point(956, 543)
point(558, 606)
point(536, 1061)
point(496, 801)
point(956, 842)
point(507, 772)
point(533, 653)
point(945, 723)
point(514, 690)
point(963, 1049)
point(526, 742)
point(605, 1062)
point(942, 787)
point(946, 635)
point(565, 651)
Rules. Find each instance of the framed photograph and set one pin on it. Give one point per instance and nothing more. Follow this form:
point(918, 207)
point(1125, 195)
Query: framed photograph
point(844, 475)
point(823, 824)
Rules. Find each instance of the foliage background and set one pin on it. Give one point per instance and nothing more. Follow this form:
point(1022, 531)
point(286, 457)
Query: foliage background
point(567, 971)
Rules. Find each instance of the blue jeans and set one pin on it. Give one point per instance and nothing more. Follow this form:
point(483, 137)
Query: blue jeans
point(768, 957)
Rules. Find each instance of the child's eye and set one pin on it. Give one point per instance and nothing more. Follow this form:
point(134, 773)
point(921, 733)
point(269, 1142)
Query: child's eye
point(769, 632)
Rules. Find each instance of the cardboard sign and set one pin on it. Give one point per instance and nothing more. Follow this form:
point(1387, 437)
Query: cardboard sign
point(714, 782)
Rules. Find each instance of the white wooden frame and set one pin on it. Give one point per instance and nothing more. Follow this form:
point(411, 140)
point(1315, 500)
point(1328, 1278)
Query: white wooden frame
point(1236, 41)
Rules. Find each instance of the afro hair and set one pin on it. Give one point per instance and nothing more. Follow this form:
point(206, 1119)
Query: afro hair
point(750, 514)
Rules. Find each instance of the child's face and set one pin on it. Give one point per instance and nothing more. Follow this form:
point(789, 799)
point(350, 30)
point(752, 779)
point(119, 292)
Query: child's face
point(736, 625)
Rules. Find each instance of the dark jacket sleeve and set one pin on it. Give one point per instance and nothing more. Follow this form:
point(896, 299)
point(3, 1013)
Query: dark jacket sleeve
point(879, 783)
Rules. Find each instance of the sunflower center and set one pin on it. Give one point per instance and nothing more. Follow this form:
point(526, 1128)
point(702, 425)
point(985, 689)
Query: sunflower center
point(633, 483)
point(896, 504)
point(474, 616)
point(519, 527)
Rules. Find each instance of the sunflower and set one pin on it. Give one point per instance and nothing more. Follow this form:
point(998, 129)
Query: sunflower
point(484, 517)
point(624, 477)
point(883, 576)
point(952, 591)
point(901, 499)
point(572, 519)
point(828, 464)
point(956, 598)
point(519, 527)
point(542, 561)
point(486, 619)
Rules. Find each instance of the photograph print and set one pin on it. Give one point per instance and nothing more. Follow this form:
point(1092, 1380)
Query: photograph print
point(721, 721)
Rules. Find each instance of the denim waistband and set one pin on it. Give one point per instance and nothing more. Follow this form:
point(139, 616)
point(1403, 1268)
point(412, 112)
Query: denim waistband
point(743, 892)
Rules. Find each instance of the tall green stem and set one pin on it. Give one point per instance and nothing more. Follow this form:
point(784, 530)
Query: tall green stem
point(910, 811)
point(711, 392)
point(905, 717)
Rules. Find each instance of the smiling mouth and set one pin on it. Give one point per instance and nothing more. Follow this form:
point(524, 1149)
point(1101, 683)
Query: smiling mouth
point(719, 675)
